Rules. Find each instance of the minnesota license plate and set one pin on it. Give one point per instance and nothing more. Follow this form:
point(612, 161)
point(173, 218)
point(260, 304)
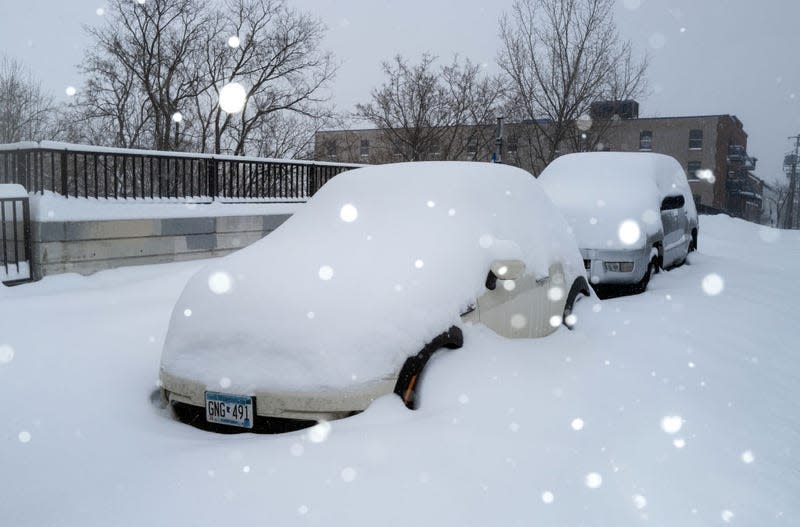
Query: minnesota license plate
point(231, 410)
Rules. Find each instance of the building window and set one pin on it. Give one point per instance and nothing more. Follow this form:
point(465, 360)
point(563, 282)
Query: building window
point(433, 150)
point(364, 149)
point(646, 140)
point(472, 146)
point(332, 150)
point(695, 139)
point(512, 143)
point(692, 169)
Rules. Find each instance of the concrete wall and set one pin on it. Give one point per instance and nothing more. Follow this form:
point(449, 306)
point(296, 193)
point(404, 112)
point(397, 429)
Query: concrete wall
point(86, 247)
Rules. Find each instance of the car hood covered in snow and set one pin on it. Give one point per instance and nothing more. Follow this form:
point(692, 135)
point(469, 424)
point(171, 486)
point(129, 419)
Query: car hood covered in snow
point(378, 263)
point(598, 192)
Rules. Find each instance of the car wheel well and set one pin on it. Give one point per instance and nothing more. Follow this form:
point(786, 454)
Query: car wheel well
point(579, 286)
point(409, 379)
point(659, 264)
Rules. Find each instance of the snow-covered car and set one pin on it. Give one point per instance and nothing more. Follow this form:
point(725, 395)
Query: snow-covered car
point(631, 213)
point(348, 299)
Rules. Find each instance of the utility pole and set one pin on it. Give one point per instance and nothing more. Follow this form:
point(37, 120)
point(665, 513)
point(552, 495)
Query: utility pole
point(792, 183)
point(497, 156)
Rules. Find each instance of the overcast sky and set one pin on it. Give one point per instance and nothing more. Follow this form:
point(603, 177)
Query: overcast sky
point(708, 57)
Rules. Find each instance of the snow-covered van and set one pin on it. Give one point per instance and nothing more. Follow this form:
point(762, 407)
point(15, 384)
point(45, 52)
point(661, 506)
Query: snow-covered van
point(631, 213)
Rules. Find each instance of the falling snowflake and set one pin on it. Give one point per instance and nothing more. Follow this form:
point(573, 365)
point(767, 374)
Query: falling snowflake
point(325, 272)
point(629, 232)
point(748, 457)
point(486, 241)
point(348, 474)
point(584, 122)
point(319, 432)
point(220, 282)
point(657, 40)
point(232, 97)
point(547, 497)
point(348, 213)
point(234, 42)
point(593, 480)
point(71, 91)
point(555, 294)
point(713, 284)
point(577, 424)
point(672, 424)
point(6, 353)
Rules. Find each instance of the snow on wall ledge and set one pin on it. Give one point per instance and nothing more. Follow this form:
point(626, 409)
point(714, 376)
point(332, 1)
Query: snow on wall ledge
point(52, 207)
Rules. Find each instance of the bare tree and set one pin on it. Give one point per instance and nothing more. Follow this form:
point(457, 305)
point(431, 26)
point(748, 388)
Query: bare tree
point(280, 63)
point(425, 112)
point(155, 59)
point(27, 112)
point(560, 56)
point(141, 71)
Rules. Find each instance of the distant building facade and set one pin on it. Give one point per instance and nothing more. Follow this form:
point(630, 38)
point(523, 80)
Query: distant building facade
point(712, 149)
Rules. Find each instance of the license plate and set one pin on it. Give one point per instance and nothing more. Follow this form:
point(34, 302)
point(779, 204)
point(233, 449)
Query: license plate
point(231, 410)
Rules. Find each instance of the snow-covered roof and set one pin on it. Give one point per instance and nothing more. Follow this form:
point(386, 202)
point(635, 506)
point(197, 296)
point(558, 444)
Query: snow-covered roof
point(378, 263)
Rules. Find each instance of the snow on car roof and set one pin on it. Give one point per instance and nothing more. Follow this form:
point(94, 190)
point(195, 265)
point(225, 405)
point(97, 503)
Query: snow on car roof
point(378, 263)
point(598, 191)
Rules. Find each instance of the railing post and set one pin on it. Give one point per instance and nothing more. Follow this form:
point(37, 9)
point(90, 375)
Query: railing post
point(211, 178)
point(26, 230)
point(312, 179)
point(64, 179)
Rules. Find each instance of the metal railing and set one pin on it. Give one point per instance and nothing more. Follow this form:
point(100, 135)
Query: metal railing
point(15, 241)
point(96, 172)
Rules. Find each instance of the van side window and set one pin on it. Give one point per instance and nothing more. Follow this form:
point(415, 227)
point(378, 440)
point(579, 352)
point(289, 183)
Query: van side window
point(673, 202)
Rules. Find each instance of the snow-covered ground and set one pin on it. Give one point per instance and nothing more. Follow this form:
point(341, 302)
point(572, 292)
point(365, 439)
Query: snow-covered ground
point(678, 407)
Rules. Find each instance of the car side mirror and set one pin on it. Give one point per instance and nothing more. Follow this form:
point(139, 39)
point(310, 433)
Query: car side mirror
point(504, 270)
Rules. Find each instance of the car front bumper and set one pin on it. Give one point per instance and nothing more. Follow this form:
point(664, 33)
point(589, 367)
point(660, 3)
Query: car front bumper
point(594, 258)
point(319, 405)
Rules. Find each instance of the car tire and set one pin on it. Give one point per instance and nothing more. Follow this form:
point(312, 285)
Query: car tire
point(410, 377)
point(693, 243)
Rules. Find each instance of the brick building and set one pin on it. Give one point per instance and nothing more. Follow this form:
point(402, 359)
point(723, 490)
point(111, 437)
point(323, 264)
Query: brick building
point(711, 148)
